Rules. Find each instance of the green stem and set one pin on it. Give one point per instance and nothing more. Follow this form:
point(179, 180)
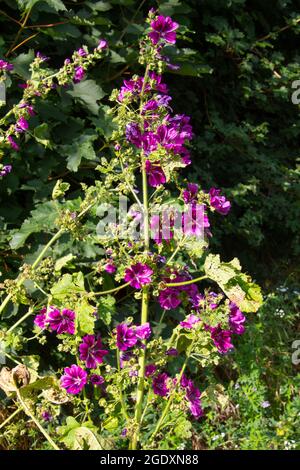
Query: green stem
point(176, 250)
point(145, 295)
point(20, 321)
point(55, 237)
point(123, 405)
point(10, 417)
point(115, 289)
point(171, 397)
point(33, 418)
point(141, 376)
point(185, 283)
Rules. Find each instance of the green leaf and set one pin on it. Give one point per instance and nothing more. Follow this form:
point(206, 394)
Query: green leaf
point(26, 5)
point(111, 423)
point(88, 93)
point(68, 284)
point(238, 287)
point(42, 219)
point(78, 436)
point(61, 262)
point(85, 318)
point(21, 64)
point(41, 135)
point(82, 147)
point(41, 384)
point(106, 307)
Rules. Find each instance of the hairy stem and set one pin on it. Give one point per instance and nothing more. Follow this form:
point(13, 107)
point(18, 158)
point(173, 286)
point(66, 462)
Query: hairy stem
point(123, 405)
point(145, 296)
point(185, 283)
point(27, 314)
point(2, 425)
point(115, 289)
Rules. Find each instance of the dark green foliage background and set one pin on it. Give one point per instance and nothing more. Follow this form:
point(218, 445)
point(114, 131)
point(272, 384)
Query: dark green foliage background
point(238, 61)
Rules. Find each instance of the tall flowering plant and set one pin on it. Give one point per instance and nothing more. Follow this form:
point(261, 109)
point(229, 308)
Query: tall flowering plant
point(131, 328)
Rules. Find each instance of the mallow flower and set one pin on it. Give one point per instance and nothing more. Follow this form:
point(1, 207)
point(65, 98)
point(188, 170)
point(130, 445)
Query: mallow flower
point(91, 351)
point(138, 275)
point(159, 384)
point(218, 202)
point(74, 379)
point(163, 28)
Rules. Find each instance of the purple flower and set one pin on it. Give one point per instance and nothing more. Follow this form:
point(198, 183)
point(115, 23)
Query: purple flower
point(221, 339)
point(169, 298)
point(96, 379)
point(163, 28)
point(192, 394)
point(6, 65)
point(189, 322)
point(82, 52)
point(155, 173)
point(79, 74)
point(150, 369)
point(110, 268)
point(5, 170)
point(74, 379)
point(28, 107)
point(124, 432)
point(91, 351)
point(42, 57)
point(13, 144)
point(164, 100)
point(133, 134)
point(103, 44)
point(219, 203)
point(40, 319)
point(126, 337)
point(61, 322)
point(143, 331)
point(236, 319)
point(195, 221)
point(132, 87)
point(159, 85)
point(265, 404)
point(138, 275)
point(172, 352)
point(190, 194)
point(161, 226)
point(124, 357)
point(184, 381)
point(213, 300)
point(21, 125)
point(151, 105)
point(46, 415)
point(159, 384)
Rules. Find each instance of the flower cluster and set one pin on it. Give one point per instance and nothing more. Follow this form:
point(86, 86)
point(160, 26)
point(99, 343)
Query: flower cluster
point(91, 353)
point(61, 321)
point(72, 70)
point(5, 170)
point(130, 335)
